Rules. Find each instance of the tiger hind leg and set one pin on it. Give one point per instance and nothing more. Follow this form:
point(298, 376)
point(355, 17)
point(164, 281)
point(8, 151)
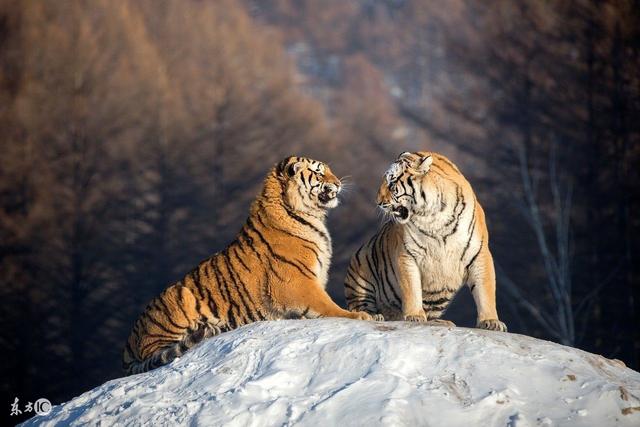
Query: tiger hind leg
point(167, 354)
point(172, 323)
point(360, 295)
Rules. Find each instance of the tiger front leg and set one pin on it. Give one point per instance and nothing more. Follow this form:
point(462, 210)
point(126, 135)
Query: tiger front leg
point(482, 283)
point(410, 290)
point(311, 299)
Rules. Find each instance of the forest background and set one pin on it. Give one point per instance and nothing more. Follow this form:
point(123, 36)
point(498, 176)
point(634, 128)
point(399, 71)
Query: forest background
point(134, 135)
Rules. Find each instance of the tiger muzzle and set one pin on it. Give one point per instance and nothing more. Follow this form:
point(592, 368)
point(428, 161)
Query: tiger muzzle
point(400, 212)
point(328, 193)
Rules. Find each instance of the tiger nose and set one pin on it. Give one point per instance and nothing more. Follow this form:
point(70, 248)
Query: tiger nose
point(331, 189)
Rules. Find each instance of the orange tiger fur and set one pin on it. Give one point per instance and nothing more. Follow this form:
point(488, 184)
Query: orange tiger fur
point(275, 268)
point(434, 242)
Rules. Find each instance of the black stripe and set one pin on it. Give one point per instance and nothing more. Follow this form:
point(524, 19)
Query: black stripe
point(362, 306)
point(393, 270)
point(267, 264)
point(466, 247)
point(244, 265)
point(381, 290)
point(242, 287)
point(222, 286)
point(387, 262)
point(181, 303)
point(288, 233)
point(159, 325)
point(302, 196)
point(423, 232)
point(439, 301)
point(238, 245)
point(373, 258)
point(356, 257)
point(162, 344)
point(311, 275)
point(384, 282)
point(306, 223)
point(455, 228)
point(203, 291)
point(231, 318)
point(241, 303)
point(164, 337)
point(411, 185)
point(165, 310)
point(209, 301)
point(353, 277)
point(406, 248)
point(233, 307)
point(443, 204)
point(416, 240)
point(358, 295)
point(474, 257)
point(448, 163)
point(455, 207)
point(440, 168)
point(448, 290)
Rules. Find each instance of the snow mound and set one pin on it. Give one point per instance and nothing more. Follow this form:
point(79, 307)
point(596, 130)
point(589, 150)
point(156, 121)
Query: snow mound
point(345, 372)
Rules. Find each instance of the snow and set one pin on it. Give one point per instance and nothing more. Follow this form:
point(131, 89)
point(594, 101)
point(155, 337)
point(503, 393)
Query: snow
point(345, 372)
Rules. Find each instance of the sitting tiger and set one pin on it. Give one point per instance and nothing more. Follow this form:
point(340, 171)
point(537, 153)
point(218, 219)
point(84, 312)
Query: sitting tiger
point(435, 241)
point(276, 268)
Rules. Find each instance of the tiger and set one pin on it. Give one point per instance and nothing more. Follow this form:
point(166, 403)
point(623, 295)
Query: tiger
point(276, 268)
point(433, 241)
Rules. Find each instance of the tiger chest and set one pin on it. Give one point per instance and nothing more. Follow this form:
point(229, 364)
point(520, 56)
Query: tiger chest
point(440, 268)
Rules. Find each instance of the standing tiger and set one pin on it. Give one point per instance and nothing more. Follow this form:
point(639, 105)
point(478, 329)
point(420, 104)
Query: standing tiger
point(275, 268)
point(435, 241)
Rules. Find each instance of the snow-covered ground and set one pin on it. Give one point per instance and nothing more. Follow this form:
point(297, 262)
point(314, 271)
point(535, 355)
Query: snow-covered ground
point(335, 372)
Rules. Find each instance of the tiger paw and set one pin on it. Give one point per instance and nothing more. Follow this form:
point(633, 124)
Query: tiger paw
point(415, 317)
point(377, 317)
point(441, 322)
point(361, 315)
point(492, 325)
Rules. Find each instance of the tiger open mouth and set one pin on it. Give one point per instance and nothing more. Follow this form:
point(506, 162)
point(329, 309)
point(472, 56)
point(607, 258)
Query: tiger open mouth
point(400, 212)
point(326, 197)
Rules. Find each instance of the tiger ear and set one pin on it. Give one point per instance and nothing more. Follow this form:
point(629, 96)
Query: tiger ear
point(293, 169)
point(286, 167)
point(425, 164)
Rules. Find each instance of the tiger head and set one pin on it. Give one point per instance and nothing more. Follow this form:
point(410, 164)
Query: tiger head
point(402, 192)
point(308, 184)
